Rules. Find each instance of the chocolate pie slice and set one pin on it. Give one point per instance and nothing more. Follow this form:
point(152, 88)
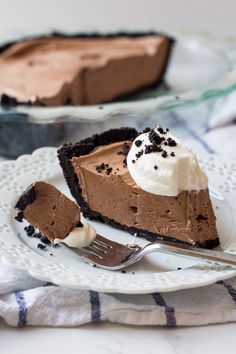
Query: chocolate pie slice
point(81, 70)
point(148, 184)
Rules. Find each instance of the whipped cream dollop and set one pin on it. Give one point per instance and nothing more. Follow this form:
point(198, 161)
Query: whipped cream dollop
point(79, 237)
point(159, 163)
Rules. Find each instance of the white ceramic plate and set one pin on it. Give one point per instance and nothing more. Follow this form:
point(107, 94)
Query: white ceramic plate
point(157, 272)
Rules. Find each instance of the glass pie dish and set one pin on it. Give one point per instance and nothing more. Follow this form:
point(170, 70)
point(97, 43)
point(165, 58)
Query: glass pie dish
point(199, 69)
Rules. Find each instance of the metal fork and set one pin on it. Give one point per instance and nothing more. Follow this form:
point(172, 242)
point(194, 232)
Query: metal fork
point(110, 255)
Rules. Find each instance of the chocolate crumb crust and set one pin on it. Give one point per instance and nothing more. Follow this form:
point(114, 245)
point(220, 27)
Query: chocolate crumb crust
point(8, 101)
point(84, 147)
point(28, 197)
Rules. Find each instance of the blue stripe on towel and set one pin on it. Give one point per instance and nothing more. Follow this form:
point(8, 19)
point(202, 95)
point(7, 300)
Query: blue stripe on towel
point(229, 288)
point(95, 305)
point(169, 311)
point(22, 321)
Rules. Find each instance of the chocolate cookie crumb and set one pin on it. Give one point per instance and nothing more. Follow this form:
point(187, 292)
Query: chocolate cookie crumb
point(146, 130)
point(164, 154)
point(179, 268)
point(152, 148)
point(133, 161)
point(161, 130)
point(140, 153)
point(123, 271)
point(155, 138)
point(42, 247)
point(100, 167)
point(172, 154)
point(38, 235)
point(20, 216)
point(171, 142)
point(45, 240)
point(138, 143)
point(108, 171)
point(155, 167)
point(29, 230)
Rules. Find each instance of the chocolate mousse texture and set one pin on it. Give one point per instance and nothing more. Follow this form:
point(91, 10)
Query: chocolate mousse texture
point(49, 210)
point(56, 71)
point(96, 172)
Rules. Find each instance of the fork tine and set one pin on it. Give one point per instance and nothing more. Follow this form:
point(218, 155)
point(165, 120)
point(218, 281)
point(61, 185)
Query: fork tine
point(90, 259)
point(89, 254)
point(107, 254)
point(101, 244)
point(103, 241)
point(95, 247)
point(94, 254)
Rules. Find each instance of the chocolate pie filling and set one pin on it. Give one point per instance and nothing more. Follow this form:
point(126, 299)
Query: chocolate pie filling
point(55, 71)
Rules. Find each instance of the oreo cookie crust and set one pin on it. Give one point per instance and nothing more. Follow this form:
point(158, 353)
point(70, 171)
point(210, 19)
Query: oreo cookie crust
point(28, 197)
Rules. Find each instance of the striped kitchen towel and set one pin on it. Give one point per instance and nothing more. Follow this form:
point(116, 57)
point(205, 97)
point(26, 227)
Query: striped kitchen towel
point(25, 301)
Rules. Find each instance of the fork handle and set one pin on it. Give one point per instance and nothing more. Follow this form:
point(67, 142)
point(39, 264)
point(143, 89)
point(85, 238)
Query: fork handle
point(190, 251)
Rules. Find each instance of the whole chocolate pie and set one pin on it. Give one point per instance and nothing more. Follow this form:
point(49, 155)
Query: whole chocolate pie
point(148, 184)
point(81, 70)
